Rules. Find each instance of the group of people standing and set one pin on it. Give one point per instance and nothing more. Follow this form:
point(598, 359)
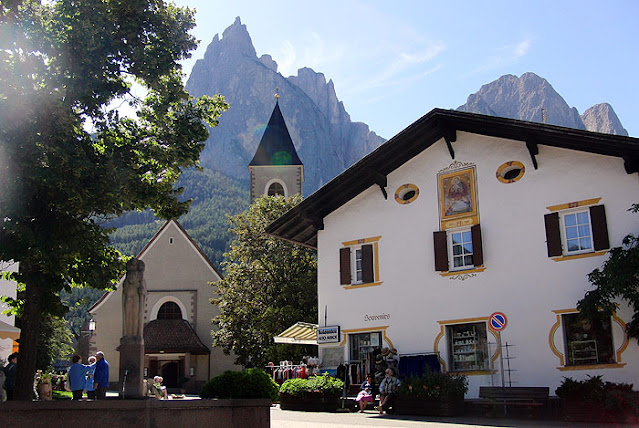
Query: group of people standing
point(92, 378)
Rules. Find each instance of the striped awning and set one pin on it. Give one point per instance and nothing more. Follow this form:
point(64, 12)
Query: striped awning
point(301, 333)
point(7, 331)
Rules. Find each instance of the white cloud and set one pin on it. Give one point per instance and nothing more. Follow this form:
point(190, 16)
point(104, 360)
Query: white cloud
point(503, 56)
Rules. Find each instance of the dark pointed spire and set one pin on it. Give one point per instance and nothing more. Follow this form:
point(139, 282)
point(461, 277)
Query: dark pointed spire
point(276, 146)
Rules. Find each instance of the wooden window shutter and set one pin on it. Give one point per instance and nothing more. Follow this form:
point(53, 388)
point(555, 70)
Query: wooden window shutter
point(553, 234)
point(441, 251)
point(345, 266)
point(599, 228)
point(478, 251)
point(368, 274)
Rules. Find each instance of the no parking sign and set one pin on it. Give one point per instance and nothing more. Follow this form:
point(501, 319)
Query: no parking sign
point(498, 321)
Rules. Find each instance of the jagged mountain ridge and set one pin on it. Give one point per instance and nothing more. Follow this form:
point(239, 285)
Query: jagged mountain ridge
point(524, 98)
point(324, 136)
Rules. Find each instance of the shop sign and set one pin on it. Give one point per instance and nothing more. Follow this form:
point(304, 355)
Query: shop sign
point(328, 334)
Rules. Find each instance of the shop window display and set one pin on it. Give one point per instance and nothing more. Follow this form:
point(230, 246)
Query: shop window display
point(468, 347)
point(588, 341)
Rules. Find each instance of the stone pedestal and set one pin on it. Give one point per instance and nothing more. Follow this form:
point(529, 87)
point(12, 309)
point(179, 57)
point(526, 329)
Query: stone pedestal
point(131, 367)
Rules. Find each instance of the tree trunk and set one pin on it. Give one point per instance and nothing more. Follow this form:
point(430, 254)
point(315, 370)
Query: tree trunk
point(31, 319)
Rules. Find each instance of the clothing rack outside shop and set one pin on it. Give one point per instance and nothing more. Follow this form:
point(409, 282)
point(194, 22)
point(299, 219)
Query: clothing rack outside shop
point(287, 370)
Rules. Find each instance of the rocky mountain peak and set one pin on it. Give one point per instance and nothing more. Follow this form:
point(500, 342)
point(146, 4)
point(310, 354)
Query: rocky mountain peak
point(602, 118)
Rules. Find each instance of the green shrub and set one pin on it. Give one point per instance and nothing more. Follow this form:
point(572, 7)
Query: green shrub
point(434, 384)
point(249, 383)
point(327, 385)
point(611, 396)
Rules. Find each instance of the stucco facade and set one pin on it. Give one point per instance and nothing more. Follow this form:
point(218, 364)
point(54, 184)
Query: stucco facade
point(176, 272)
point(396, 294)
point(7, 330)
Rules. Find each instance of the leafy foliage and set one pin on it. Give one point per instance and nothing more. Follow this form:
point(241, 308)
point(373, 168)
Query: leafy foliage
point(249, 383)
point(617, 278)
point(434, 384)
point(62, 64)
point(269, 285)
point(54, 341)
point(616, 398)
point(327, 385)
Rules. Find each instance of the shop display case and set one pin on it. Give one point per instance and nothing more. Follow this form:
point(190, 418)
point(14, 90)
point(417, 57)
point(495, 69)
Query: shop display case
point(466, 351)
point(584, 352)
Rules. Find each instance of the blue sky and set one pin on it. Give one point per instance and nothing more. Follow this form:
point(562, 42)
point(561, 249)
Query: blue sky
point(393, 61)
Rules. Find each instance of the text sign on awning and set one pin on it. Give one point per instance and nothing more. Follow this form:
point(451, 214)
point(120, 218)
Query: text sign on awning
point(328, 334)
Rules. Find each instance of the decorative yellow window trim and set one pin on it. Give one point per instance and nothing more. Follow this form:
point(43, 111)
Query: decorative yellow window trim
point(363, 285)
point(462, 272)
point(361, 241)
point(508, 166)
point(383, 329)
point(579, 256)
point(575, 204)
point(442, 333)
point(375, 241)
point(562, 358)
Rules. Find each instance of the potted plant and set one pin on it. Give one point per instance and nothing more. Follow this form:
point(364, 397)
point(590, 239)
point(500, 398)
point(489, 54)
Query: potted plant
point(43, 385)
point(594, 399)
point(315, 394)
point(432, 394)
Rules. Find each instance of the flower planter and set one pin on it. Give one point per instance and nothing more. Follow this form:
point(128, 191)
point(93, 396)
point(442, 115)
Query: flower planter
point(310, 402)
point(429, 406)
point(45, 391)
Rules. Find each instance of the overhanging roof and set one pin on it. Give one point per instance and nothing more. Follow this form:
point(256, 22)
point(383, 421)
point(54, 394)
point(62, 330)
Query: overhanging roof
point(172, 336)
point(301, 223)
point(300, 333)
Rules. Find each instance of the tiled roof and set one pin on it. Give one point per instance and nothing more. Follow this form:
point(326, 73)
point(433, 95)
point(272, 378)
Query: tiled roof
point(172, 336)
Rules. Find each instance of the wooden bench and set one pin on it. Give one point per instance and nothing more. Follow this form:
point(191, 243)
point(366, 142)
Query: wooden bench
point(533, 397)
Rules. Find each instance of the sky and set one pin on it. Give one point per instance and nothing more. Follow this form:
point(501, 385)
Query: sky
point(393, 61)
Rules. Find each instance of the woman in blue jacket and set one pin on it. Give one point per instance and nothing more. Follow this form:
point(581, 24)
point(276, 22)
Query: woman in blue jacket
point(77, 377)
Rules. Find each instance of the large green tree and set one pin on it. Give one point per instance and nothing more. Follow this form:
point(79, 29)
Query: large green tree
point(269, 285)
point(68, 160)
point(618, 278)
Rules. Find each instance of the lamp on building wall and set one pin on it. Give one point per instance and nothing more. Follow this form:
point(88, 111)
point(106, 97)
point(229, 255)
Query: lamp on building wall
point(91, 326)
point(192, 371)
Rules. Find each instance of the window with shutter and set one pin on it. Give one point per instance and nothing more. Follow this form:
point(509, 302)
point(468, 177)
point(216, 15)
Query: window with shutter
point(576, 231)
point(358, 262)
point(458, 249)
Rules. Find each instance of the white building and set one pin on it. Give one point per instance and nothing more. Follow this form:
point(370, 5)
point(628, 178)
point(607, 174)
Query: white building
point(8, 332)
point(462, 216)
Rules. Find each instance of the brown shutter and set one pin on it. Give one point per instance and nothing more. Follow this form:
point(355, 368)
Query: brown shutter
point(441, 251)
point(367, 264)
point(599, 228)
point(478, 251)
point(553, 235)
point(345, 266)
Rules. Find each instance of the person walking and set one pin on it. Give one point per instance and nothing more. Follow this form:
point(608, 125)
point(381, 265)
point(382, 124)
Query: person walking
point(89, 379)
point(77, 377)
point(101, 376)
point(10, 375)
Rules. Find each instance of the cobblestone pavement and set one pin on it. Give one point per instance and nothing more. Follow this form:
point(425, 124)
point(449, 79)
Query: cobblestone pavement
point(370, 418)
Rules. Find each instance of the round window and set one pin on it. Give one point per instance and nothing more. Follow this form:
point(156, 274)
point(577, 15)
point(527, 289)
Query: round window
point(510, 172)
point(406, 193)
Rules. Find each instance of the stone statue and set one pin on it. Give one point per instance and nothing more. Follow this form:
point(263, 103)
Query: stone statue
point(133, 298)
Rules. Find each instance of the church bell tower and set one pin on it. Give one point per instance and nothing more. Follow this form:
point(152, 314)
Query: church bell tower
point(276, 168)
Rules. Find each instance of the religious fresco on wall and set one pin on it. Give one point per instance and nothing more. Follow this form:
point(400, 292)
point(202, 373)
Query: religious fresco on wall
point(457, 196)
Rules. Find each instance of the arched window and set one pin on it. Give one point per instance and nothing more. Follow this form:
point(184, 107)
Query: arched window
point(276, 189)
point(169, 311)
